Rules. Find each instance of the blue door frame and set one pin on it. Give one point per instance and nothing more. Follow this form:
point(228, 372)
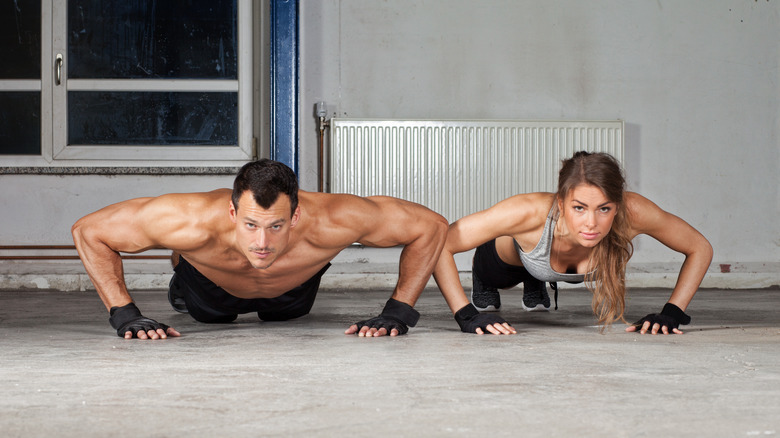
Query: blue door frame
point(284, 82)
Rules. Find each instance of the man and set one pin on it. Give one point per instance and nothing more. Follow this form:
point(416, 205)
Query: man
point(261, 247)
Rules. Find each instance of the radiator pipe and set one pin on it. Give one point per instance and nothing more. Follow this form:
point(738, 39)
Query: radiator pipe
point(321, 111)
point(36, 247)
point(61, 257)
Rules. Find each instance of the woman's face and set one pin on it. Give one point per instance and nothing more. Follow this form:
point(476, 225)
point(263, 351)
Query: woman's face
point(588, 214)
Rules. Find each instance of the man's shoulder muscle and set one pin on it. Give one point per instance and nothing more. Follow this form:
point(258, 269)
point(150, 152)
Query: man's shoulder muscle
point(186, 221)
point(333, 219)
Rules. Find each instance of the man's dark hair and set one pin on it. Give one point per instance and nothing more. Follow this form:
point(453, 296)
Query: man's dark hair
point(266, 179)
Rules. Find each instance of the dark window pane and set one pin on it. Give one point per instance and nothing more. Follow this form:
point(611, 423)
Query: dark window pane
point(20, 123)
point(126, 39)
point(144, 118)
point(20, 39)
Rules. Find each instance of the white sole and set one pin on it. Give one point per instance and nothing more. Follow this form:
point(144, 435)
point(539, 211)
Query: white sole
point(490, 308)
point(538, 308)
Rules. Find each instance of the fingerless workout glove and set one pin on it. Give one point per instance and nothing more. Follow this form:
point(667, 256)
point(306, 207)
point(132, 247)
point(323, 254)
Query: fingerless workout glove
point(671, 316)
point(129, 319)
point(469, 319)
point(395, 315)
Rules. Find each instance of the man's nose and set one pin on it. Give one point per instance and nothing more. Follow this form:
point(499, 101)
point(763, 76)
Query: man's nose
point(260, 238)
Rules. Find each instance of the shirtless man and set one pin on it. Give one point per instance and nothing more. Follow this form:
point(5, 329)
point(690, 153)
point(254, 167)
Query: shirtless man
point(261, 247)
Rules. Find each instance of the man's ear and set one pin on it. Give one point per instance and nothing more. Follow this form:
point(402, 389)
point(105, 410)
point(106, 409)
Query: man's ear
point(295, 217)
point(233, 212)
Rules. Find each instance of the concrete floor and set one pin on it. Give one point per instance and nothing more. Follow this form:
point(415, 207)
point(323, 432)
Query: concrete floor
point(63, 372)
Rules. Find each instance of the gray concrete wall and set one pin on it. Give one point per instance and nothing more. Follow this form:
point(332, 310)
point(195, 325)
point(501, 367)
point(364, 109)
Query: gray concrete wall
point(40, 209)
point(696, 82)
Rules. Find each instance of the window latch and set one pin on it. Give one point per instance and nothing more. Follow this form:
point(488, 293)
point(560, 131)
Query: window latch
point(58, 69)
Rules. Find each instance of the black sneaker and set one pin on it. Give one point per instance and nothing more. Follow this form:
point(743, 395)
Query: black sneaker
point(484, 298)
point(176, 297)
point(535, 296)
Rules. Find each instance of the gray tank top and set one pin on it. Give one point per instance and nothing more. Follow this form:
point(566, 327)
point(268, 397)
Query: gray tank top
point(537, 262)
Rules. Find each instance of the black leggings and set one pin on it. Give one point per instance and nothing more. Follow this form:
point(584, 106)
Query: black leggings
point(207, 302)
point(494, 272)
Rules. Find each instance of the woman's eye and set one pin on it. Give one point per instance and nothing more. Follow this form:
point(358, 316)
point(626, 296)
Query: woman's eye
point(578, 208)
point(605, 209)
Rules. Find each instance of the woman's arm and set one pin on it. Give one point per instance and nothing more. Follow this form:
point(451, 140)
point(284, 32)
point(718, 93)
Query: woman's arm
point(675, 233)
point(516, 215)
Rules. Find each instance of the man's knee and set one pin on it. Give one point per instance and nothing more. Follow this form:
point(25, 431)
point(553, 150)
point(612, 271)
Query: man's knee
point(176, 295)
point(184, 300)
point(301, 308)
point(282, 316)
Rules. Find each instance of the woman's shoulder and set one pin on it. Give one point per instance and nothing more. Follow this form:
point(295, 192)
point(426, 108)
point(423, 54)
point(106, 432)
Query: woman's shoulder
point(638, 204)
point(643, 213)
point(526, 210)
point(532, 201)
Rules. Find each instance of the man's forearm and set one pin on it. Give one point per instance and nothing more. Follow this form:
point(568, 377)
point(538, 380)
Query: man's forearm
point(417, 262)
point(105, 270)
point(413, 275)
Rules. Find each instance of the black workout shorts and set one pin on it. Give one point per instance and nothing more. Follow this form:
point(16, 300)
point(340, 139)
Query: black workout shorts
point(494, 272)
point(207, 302)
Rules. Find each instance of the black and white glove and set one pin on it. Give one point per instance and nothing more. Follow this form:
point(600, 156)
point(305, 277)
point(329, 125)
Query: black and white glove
point(671, 316)
point(129, 319)
point(395, 315)
point(469, 319)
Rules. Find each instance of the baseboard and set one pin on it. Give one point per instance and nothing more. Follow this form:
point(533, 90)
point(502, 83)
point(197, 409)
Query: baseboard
point(155, 275)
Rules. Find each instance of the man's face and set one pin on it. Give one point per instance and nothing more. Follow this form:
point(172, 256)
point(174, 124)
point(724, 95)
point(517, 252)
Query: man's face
point(263, 234)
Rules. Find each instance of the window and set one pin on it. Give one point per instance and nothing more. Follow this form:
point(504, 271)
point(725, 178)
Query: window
point(20, 84)
point(126, 81)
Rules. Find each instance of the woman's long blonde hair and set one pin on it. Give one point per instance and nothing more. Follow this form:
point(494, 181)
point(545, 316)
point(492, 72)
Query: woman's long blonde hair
point(606, 277)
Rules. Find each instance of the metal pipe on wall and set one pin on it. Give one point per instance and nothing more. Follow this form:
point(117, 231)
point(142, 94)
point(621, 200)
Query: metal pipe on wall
point(321, 112)
point(61, 257)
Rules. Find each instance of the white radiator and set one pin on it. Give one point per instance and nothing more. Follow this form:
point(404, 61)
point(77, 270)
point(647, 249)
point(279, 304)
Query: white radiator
point(458, 167)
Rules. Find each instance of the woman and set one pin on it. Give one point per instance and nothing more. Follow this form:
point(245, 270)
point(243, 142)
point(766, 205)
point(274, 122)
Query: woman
point(581, 233)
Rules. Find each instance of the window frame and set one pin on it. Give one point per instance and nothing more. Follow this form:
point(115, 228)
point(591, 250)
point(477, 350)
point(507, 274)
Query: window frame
point(55, 152)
